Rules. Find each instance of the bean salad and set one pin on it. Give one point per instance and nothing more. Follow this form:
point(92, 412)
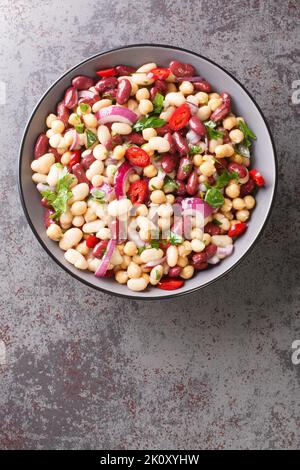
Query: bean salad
point(145, 175)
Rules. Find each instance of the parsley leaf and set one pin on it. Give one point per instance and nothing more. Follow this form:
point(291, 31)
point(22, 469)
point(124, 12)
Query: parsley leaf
point(154, 243)
point(141, 249)
point(98, 194)
point(79, 128)
point(214, 198)
point(195, 149)
point(59, 198)
point(84, 107)
point(248, 134)
point(91, 138)
point(170, 185)
point(186, 168)
point(150, 121)
point(158, 103)
point(224, 178)
point(242, 150)
point(212, 133)
point(216, 222)
point(174, 239)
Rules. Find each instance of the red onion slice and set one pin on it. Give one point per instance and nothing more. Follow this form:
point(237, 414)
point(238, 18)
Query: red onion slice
point(75, 139)
point(116, 114)
point(121, 178)
point(101, 271)
point(193, 107)
point(224, 251)
point(192, 137)
point(196, 204)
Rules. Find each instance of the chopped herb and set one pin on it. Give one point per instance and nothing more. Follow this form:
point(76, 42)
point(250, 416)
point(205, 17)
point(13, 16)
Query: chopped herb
point(242, 150)
point(91, 138)
point(153, 187)
point(157, 275)
point(170, 185)
point(108, 96)
point(212, 133)
point(248, 134)
point(186, 168)
point(148, 121)
point(224, 178)
point(84, 107)
point(158, 103)
point(216, 222)
point(214, 198)
point(174, 239)
point(98, 194)
point(60, 196)
point(79, 128)
point(141, 249)
point(195, 149)
point(154, 244)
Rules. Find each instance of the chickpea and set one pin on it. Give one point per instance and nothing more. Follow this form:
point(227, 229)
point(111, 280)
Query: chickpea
point(238, 203)
point(236, 136)
point(186, 87)
point(90, 120)
point(65, 158)
point(197, 245)
point(155, 183)
point(90, 215)
point(54, 232)
point(202, 97)
point(121, 128)
point(204, 113)
point(197, 234)
point(50, 119)
point(132, 105)
point(229, 122)
point(121, 277)
point(165, 115)
point(96, 168)
point(233, 190)
point(134, 271)
point(237, 158)
point(207, 168)
point(148, 133)
point(174, 99)
point(78, 208)
point(66, 219)
point(242, 215)
point(97, 180)
point(249, 202)
point(171, 87)
point(227, 206)
point(57, 126)
point(119, 152)
point(142, 210)
point(187, 272)
point(213, 144)
point(214, 96)
point(150, 171)
point(142, 94)
point(185, 249)
point(206, 239)
point(214, 103)
point(182, 261)
point(197, 159)
point(130, 248)
point(225, 150)
point(158, 196)
point(49, 133)
point(82, 248)
point(145, 107)
point(170, 198)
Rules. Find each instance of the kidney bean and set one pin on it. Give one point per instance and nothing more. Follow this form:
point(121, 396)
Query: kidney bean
point(202, 85)
point(111, 93)
point(135, 138)
point(124, 70)
point(181, 70)
point(161, 85)
point(247, 188)
point(192, 184)
point(197, 126)
point(45, 203)
point(222, 110)
point(82, 82)
point(79, 172)
point(241, 170)
point(41, 145)
point(71, 98)
point(181, 190)
point(168, 162)
point(123, 91)
point(63, 113)
point(180, 143)
point(163, 130)
point(211, 180)
point(88, 96)
point(221, 165)
point(185, 168)
point(212, 229)
point(200, 266)
point(55, 153)
point(174, 272)
point(113, 142)
point(106, 83)
point(199, 259)
point(211, 250)
point(47, 217)
point(87, 161)
point(99, 249)
point(169, 138)
point(226, 138)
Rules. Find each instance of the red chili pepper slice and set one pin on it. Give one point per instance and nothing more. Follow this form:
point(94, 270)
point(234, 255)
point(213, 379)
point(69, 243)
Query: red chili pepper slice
point(168, 283)
point(137, 156)
point(92, 241)
point(180, 117)
point(107, 72)
point(75, 158)
point(257, 177)
point(137, 191)
point(237, 229)
point(109, 273)
point(159, 73)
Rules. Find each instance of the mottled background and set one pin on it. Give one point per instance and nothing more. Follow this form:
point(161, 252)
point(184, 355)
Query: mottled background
point(211, 370)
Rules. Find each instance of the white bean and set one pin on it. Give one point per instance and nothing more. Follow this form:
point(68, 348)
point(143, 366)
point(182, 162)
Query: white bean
point(53, 174)
point(121, 128)
point(172, 256)
point(156, 274)
point(159, 143)
point(137, 285)
point(221, 240)
point(39, 178)
point(151, 254)
point(80, 192)
point(43, 164)
point(93, 227)
point(101, 104)
point(103, 134)
point(174, 99)
point(146, 67)
point(76, 258)
point(70, 238)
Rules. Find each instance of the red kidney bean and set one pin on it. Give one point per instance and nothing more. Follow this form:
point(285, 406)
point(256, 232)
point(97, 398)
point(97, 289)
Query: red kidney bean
point(192, 184)
point(223, 109)
point(199, 259)
point(55, 153)
point(181, 70)
point(178, 199)
point(212, 229)
point(79, 172)
point(82, 82)
point(168, 162)
point(111, 93)
point(163, 130)
point(221, 165)
point(99, 249)
point(47, 217)
point(63, 113)
point(247, 188)
point(71, 98)
point(241, 170)
point(180, 143)
point(174, 272)
point(211, 250)
point(135, 138)
point(113, 142)
point(198, 265)
point(41, 145)
point(185, 168)
point(87, 161)
point(197, 126)
point(106, 83)
point(123, 91)
point(45, 203)
point(161, 85)
point(88, 96)
point(124, 70)
point(181, 189)
point(211, 180)
point(169, 138)
point(202, 85)
point(226, 138)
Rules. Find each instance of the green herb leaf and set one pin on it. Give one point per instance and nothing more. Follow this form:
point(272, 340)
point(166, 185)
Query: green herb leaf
point(154, 243)
point(212, 133)
point(170, 185)
point(186, 168)
point(216, 222)
point(158, 103)
point(98, 194)
point(148, 121)
point(224, 178)
point(195, 149)
point(157, 275)
point(174, 239)
point(214, 198)
point(79, 128)
point(84, 107)
point(242, 150)
point(59, 198)
point(141, 249)
point(91, 138)
point(248, 134)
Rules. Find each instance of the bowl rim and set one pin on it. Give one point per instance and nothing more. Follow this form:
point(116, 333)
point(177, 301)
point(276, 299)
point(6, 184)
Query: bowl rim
point(128, 296)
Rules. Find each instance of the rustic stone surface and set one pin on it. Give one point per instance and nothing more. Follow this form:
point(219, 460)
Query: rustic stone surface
point(212, 370)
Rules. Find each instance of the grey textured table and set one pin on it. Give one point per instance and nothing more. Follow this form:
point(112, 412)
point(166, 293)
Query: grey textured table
point(213, 370)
